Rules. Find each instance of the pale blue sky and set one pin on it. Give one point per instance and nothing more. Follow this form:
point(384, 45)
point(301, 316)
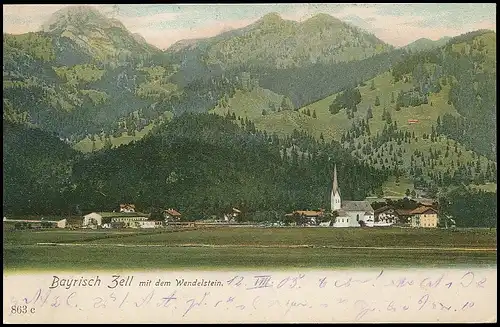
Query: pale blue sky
point(164, 24)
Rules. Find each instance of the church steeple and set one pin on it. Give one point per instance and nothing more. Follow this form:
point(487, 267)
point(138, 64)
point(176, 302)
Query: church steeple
point(336, 203)
point(335, 188)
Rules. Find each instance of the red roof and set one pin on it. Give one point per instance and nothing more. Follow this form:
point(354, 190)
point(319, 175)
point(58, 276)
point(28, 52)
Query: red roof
point(422, 210)
point(172, 212)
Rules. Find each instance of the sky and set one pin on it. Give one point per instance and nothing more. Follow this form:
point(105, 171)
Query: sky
point(164, 24)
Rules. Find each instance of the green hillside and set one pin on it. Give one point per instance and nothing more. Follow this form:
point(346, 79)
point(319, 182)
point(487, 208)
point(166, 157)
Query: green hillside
point(401, 119)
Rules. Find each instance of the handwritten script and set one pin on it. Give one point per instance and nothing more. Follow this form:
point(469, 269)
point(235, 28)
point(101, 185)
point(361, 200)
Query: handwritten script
point(466, 295)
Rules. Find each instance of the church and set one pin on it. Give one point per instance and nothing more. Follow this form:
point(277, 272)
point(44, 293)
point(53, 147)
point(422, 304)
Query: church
point(349, 213)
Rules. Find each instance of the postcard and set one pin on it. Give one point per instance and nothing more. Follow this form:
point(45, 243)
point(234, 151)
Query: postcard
point(239, 163)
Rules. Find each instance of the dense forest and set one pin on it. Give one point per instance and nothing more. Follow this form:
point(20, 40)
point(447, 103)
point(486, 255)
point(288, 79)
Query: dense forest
point(199, 163)
point(204, 164)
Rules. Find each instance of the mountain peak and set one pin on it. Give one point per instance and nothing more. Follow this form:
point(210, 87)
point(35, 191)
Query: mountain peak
point(322, 18)
point(272, 17)
point(78, 16)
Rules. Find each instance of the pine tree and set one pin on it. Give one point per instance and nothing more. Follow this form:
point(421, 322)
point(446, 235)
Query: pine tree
point(392, 97)
point(372, 87)
point(369, 112)
point(377, 101)
point(314, 114)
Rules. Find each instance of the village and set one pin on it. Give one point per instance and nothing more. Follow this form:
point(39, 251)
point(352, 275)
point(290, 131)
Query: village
point(342, 214)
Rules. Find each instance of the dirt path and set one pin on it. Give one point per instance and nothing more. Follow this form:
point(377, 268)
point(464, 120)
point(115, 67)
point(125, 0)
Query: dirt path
point(445, 249)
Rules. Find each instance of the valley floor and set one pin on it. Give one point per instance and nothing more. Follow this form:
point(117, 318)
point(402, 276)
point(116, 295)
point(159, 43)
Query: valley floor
point(241, 248)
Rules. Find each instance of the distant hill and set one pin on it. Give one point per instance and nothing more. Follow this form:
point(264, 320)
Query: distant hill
point(424, 44)
point(278, 43)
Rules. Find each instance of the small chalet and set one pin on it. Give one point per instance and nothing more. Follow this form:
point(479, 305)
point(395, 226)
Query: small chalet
point(386, 215)
point(171, 215)
point(232, 215)
point(127, 208)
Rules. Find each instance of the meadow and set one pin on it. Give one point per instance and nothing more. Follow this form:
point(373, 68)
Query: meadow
point(243, 248)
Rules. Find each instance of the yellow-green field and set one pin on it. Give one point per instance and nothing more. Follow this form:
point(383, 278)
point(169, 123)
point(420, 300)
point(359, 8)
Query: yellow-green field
point(246, 247)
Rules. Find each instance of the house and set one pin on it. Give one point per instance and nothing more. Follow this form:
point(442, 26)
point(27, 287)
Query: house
point(171, 215)
point(150, 224)
point(306, 217)
point(127, 208)
point(92, 219)
point(125, 219)
point(74, 222)
point(404, 216)
point(350, 213)
point(35, 223)
point(424, 216)
point(232, 215)
point(386, 215)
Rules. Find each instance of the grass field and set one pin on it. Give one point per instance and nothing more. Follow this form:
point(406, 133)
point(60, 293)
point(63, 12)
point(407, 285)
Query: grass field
point(228, 248)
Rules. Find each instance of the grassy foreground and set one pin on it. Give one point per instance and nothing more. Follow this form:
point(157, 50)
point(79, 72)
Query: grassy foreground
point(240, 248)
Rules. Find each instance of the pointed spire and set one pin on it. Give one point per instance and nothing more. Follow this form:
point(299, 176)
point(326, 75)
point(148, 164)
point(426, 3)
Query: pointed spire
point(335, 188)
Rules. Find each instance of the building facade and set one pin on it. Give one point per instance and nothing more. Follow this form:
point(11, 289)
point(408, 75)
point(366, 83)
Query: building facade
point(349, 213)
point(425, 217)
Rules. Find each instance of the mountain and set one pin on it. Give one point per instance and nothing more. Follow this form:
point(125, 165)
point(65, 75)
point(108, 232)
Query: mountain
point(422, 117)
point(103, 38)
point(424, 44)
point(278, 43)
point(84, 74)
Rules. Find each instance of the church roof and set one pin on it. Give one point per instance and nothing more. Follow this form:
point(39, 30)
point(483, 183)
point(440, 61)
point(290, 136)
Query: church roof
point(357, 206)
point(341, 213)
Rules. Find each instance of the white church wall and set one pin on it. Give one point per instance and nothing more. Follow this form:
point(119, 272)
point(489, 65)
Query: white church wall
point(342, 222)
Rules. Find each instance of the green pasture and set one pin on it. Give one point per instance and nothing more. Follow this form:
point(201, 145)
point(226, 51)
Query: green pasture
point(226, 247)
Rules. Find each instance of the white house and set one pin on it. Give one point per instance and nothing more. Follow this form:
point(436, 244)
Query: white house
point(149, 224)
point(386, 216)
point(129, 219)
point(350, 213)
point(92, 219)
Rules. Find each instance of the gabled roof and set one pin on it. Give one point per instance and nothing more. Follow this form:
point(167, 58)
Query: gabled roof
point(341, 213)
point(422, 210)
point(383, 209)
point(357, 206)
point(172, 212)
point(404, 212)
point(127, 206)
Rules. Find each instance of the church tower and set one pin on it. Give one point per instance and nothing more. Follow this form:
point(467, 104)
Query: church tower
point(336, 202)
